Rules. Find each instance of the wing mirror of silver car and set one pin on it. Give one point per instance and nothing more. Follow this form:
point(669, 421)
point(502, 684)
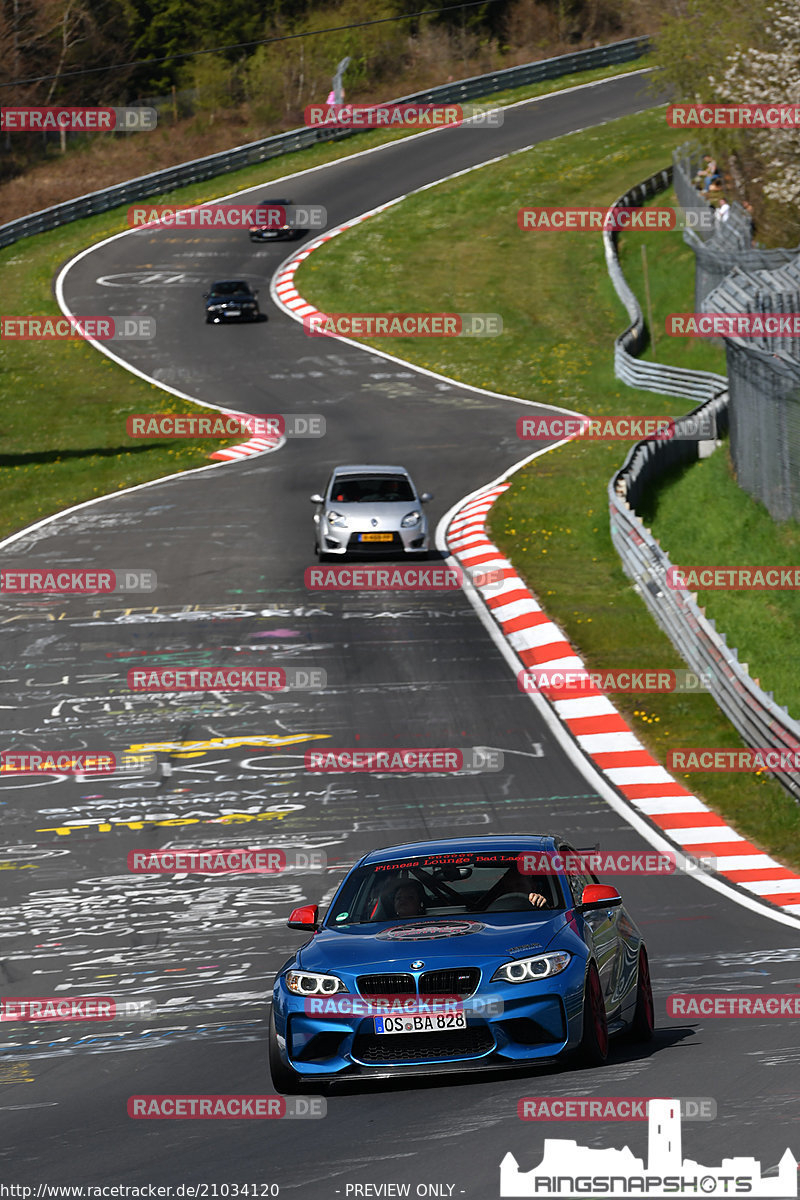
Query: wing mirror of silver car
point(317, 499)
point(425, 497)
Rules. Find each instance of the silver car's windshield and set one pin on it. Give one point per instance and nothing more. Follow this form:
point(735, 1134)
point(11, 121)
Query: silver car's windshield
point(377, 489)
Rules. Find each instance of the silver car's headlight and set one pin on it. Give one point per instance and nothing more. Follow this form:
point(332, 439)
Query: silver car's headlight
point(410, 519)
point(335, 518)
point(311, 983)
point(523, 970)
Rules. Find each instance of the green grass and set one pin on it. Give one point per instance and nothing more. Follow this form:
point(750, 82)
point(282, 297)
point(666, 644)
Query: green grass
point(63, 405)
point(704, 517)
point(457, 247)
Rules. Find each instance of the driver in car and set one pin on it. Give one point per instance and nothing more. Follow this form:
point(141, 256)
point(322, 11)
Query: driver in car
point(515, 882)
point(409, 899)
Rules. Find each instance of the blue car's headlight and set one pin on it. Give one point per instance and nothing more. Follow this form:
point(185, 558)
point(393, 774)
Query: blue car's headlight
point(312, 983)
point(523, 970)
point(410, 519)
point(335, 518)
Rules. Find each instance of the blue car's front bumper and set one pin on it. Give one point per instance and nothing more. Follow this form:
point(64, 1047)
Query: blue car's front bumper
point(537, 1021)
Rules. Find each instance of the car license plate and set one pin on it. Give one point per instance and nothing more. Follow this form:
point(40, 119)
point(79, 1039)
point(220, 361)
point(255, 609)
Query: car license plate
point(233, 312)
point(427, 1023)
point(375, 537)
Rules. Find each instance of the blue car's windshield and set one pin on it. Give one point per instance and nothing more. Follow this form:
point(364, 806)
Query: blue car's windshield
point(443, 886)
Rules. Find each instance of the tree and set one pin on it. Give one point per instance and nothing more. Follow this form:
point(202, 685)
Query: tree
point(769, 74)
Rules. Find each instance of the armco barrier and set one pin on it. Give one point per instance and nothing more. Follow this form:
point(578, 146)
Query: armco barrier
point(299, 139)
point(753, 712)
point(651, 376)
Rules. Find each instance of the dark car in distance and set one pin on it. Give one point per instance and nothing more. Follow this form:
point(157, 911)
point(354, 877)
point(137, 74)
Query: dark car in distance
point(232, 300)
point(275, 233)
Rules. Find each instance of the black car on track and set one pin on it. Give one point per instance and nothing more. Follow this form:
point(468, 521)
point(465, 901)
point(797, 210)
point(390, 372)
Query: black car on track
point(275, 233)
point(232, 300)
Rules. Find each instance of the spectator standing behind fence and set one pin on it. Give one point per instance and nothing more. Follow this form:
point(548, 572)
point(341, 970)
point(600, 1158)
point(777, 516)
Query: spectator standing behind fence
point(748, 208)
point(723, 209)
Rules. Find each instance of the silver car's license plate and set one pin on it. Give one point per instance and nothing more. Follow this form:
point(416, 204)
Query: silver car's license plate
point(429, 1023)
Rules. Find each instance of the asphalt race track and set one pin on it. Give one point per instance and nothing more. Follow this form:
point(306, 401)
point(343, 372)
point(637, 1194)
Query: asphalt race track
point(229, 546)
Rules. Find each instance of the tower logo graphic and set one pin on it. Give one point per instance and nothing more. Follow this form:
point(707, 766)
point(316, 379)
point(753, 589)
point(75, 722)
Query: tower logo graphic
point(568, 1170)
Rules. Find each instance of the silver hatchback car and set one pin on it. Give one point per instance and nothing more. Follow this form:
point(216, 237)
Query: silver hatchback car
point(370, 510)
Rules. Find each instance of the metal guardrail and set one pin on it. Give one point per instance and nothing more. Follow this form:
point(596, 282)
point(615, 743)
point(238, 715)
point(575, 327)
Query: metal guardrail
point(650, 376)
point(753, 712)
point(198, 169)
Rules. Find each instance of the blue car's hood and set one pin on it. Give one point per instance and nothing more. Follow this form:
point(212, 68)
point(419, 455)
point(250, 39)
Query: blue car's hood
point(439, 942)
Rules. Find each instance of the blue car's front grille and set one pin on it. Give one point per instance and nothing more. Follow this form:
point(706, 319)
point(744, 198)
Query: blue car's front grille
point(372, 1049)
point(451, 981)
point(458, 981)
point(387, 985)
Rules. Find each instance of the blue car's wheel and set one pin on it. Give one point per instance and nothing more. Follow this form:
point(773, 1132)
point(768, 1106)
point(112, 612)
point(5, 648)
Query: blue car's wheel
point(643, 1022)
point(593, 1049)
point(284, 1079)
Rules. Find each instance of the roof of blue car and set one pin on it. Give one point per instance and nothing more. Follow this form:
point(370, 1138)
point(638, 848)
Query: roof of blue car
point(501, 842)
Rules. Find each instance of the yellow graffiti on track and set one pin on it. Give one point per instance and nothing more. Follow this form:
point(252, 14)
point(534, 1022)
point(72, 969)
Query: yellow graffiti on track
point(108, 826)
point(195, 749)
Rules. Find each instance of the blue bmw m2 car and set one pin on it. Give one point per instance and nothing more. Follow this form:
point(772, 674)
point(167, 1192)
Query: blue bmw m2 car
point(458, 955)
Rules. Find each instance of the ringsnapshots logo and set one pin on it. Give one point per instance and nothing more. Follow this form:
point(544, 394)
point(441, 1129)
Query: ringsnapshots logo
point(175, 1107)
point(734, 579)
point(400, 579)
point(15, 1009)
point(81, 763)
point(608, 1108)
point(549, 428)
point(714, 761)
point(46, 328)
point(567, 1169)
point(226, 679)
point(396, 761)
point(613, 862)
point(733, 116)
point(572, 681)
point(419, 325)
point(279, 217)
point(225, 425)
point(732, 325)
point(225, 861)
point(69, 581)
point(50, 118)
point(595, 218)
